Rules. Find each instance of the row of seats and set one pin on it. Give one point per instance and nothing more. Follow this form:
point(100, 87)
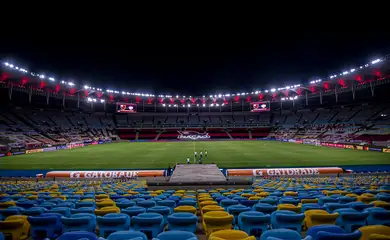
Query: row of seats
point(274, 204)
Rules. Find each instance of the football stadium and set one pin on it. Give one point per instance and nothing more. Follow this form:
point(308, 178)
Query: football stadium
point(305, 161)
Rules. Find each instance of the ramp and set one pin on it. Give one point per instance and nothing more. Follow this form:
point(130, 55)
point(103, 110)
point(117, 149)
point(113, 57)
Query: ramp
point(197, 173)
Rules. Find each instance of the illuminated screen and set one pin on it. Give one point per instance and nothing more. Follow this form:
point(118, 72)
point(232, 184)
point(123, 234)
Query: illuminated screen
point(260, 106)
point(126, 107)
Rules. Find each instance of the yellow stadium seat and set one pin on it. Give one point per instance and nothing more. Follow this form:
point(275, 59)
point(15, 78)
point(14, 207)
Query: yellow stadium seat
point(381, 204)
point(230, 235)
point(263, 194)
point(319, 217)
point(247, 195)
point(291, 194)
point(303, 201)
point(205, 199)
point(210, 208)
point(105, 203)
point(290, 207)
point(255, 198)
point(216, 220)
point(368, 231)
point(16, 226)
point(105, 210)
point(366, 198)
point(101, 196)
point(189, 209)
point(205, 203)
point(379, 237)
point(4, 205)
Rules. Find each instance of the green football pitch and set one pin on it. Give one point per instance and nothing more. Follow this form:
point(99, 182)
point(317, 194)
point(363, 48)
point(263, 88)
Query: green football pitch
point(227, 154)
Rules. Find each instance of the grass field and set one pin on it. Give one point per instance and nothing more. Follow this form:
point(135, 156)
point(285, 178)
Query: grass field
point(227, 154)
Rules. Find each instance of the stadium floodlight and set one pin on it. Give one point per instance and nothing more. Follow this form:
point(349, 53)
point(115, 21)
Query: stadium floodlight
point(102, 100)
point(217, 105)
point(361, 67)
point(211, 105)
point(227, 95)
point(266, 91)
point(204, 105)
point(177, 96)
point(6, 64)
point(175, 105)
point(223, 104)
point(238, 94)
point(86, 87)
point(184, 105)
point(352, 70)
point(51, 79)
point(41, 76)
point(164, 105)
point(296, 97)
point(188, 105)
point(71, 84)
point(11, 65)
point(257, 92)
point(345, 72)
point(89, 99)
point(219, 95)
point(375, 61)
point(197, 105)
point(242, 93)
point(211, 96)
point(94, 100)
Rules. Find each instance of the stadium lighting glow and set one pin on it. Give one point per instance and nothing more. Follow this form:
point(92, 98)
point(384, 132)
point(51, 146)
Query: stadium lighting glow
point(197, 105)
point(102, 100)
point(211, 105)
point(188, 105)
point(204, 105)
point(175, 105)
point(164, 105)
point(86, 87)
point(42, 76)
point(217, 105)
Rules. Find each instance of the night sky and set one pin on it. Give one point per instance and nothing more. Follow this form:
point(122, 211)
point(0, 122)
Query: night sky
point(201, 67)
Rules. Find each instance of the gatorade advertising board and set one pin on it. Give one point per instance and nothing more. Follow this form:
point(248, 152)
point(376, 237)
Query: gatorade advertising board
point(106, 174)
point(284, 171)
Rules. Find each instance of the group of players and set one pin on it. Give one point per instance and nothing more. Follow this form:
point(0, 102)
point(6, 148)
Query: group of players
point(196, 157)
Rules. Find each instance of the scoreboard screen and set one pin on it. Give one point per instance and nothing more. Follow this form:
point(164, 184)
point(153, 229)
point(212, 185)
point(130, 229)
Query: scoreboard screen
point(260, 106)
point(126, 107)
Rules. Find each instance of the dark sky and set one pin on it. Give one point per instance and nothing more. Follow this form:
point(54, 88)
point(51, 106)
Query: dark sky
point(201, 67)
